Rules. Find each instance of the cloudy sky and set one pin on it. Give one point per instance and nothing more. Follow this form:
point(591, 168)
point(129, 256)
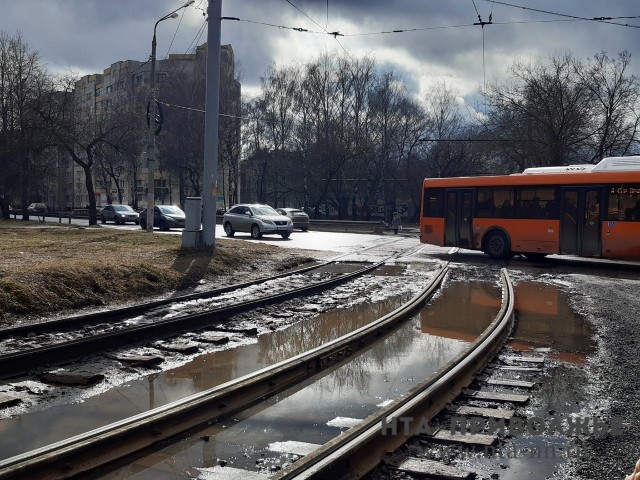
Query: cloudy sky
point(438, 39)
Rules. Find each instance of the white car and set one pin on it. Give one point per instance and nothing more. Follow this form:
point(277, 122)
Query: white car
point(257, 220)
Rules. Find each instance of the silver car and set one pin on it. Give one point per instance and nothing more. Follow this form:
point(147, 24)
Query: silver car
point(256, 219)
point(37, 209)
point(298, 217)
point(119, 214)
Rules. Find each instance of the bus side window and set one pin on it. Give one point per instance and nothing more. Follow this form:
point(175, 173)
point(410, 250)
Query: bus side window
point(434, 202)
point(505, 209)
point(624, 202)
point(484, 204)
point(551, 210)
point(503, 198)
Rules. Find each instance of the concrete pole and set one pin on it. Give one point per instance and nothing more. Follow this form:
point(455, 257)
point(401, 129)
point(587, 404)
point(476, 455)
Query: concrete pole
point(211, 118)
point(151, 140)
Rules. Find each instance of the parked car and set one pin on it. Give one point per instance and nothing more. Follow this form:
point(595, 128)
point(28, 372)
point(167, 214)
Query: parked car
point(37, 209)
point(164, 217)
point(256, 219)
point(119, 213)
point(298, 217)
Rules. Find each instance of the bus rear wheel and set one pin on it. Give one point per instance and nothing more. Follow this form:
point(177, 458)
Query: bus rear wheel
point(497, 245)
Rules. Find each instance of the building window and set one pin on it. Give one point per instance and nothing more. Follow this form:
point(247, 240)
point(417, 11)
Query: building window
point(109, 89)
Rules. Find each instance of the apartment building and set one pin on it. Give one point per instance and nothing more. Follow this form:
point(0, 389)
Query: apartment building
point(180, 92)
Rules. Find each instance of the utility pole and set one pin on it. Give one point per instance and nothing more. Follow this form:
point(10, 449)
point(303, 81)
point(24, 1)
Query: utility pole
point(151, 140)
point(211, 120)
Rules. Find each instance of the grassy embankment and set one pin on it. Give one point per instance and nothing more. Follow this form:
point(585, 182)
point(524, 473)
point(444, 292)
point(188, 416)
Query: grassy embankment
point(49, 268)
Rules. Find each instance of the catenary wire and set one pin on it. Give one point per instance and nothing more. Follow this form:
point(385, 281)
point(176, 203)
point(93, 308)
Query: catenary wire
point(576, 17)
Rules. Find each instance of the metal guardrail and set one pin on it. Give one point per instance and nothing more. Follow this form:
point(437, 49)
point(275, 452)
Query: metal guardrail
point(331, 225)
point(356, 226)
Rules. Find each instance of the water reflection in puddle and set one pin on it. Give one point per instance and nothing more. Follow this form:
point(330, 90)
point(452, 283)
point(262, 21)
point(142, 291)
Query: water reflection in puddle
point(382, 373)
point(545, 321)
point(30, 431)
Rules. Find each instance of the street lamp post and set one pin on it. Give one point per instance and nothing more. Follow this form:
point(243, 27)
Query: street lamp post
point(151, 141)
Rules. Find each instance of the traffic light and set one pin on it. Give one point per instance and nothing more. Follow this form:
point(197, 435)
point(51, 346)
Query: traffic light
point(159, 116)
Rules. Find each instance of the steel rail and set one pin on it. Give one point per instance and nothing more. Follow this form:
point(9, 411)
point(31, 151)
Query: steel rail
point(92, 450)
point(21, 362)
point(360, 449)
point(124, 312)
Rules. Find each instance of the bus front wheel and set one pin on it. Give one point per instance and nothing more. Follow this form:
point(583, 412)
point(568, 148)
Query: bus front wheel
point(497, 245)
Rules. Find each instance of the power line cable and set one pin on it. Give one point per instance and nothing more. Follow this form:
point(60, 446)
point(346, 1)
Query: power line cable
point(406, 30)
point(576, 17)
point(283, 27)
point(335, 34)
point(174, 35)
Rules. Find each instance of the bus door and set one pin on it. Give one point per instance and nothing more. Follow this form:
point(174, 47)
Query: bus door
point(458, 218)
point(580, 224)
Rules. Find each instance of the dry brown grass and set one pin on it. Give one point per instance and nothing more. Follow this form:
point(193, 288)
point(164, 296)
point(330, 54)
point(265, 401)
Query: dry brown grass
point(50, 268)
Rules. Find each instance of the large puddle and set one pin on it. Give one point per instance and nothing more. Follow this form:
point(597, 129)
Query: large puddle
point(26, 432)
point(546, 325)
point(323, 407)
point(546, 320)
point(319, 411)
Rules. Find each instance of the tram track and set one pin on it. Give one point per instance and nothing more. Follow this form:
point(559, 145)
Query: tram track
point(103, 445)
point(358, 450)
point(346, 460)
point(21, 362)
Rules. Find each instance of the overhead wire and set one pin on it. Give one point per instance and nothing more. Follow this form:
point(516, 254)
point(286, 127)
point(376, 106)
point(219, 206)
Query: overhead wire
point(174, 34)
point(335, 34)
point(404, 30)
point(576, 17)
point(482, 24)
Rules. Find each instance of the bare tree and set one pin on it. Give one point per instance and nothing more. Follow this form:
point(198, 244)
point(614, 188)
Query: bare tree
point(181, 142)
point(22, 80)
point(545, 114)
point(387, 101)
point(614, 99)
point(85, 134)
point(230, 135)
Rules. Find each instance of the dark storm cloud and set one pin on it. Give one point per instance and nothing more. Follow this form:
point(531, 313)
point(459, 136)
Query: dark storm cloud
point(440, 36)
point(439, 40)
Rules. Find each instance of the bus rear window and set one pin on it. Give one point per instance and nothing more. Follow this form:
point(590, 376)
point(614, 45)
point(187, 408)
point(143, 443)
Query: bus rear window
point(433, 202)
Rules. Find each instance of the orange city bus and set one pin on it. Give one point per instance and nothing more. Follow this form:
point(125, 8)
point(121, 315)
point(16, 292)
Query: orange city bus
point(588, 210)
